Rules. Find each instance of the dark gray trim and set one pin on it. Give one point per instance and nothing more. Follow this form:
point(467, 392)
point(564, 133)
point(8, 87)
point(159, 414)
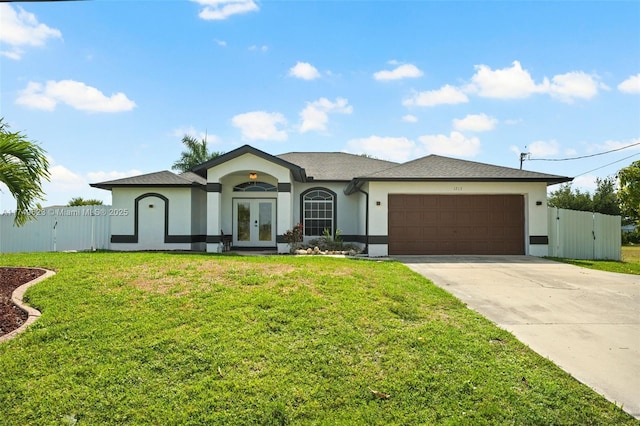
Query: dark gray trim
point(213, 239)
point(280, 239)
point(284, 187)
point(354, 238)
point(538, 239)
point(214, 187)
point(297, 171)
point(124, 239)
point(145, 185)
point(378, 239)
point(335, 207)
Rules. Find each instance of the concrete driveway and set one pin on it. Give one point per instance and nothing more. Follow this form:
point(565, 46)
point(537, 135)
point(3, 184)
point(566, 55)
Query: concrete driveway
point(586, 321)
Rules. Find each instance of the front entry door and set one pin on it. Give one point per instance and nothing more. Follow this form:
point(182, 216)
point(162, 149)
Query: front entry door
point(254, 222)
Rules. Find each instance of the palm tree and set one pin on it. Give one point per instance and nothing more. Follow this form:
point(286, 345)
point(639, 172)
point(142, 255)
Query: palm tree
point(23, 167)
point(197, 152)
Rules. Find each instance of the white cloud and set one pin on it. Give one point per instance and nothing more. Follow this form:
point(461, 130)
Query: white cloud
point(410, 118)
point(475, 123)
point(630, 85)
point(218, 10)
point(73, 93)
point(102, 176)
point(400, 72)
point(575, 84)
point(316, 114)
point(62, 176)
point(613, 144)
point(454, 144)
point(506, 83)
point(304, 70)
point(20, 28)
point(388, 148)
point(262, 48)
point(261, 125)
point(516, 83)
point(445, 95)
point(220, 43)
point(539, 149)
point(585, 183)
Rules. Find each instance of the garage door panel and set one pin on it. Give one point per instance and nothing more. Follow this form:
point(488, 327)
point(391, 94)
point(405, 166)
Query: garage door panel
point(456, 224)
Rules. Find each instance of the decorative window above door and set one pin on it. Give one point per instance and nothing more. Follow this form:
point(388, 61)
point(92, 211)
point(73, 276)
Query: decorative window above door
point(253, 186)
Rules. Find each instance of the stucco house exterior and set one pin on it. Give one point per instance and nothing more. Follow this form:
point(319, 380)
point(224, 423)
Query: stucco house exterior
point(431, 205)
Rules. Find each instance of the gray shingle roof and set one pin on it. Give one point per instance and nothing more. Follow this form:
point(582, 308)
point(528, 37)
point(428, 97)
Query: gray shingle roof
point(335, 165)
point(435, 167)
point(356, 169)
point(163, 178)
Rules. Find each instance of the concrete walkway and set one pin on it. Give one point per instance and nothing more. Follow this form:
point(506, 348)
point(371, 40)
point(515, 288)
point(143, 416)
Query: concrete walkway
point(586, 321)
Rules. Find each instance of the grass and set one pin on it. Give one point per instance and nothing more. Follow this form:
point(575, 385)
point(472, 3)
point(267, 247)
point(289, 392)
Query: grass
point(630, 263)
point(152, 338)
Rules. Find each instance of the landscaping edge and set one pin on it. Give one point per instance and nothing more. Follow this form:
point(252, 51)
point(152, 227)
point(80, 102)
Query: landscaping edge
point(16, 298)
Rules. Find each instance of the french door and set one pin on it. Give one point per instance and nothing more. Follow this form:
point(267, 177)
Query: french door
point(254, 222)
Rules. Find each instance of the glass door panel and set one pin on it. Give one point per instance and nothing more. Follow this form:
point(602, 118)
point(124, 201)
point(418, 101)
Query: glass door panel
point(243, 217)
point(265, 219)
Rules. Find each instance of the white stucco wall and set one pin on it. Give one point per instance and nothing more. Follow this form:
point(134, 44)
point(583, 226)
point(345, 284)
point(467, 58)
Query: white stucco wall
point(245, 164)
point(535, 215)
point(151, 220)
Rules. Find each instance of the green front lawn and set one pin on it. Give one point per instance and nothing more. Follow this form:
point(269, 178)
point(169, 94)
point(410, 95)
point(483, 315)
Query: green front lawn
point(630, 263)
point(152, 338)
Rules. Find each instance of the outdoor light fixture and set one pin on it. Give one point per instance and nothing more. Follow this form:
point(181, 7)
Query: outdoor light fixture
point(253, 176)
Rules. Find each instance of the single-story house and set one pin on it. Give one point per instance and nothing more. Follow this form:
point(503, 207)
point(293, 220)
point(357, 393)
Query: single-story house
point(431, 205)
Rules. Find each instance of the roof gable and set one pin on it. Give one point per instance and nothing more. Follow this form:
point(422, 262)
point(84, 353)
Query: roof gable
point(297, 171)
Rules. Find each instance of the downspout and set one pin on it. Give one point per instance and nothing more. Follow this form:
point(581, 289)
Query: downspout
point(366, 219)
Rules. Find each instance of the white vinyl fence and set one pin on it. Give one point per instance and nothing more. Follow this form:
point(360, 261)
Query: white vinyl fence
point(57, 229)
point(584, 235)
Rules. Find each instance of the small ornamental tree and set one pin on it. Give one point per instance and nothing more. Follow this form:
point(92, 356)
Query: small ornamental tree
point(293, 237)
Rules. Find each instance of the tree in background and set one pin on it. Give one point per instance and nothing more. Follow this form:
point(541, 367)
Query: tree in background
point(196, 153)
point(629, 192)
point(79, 201)
point(567, 198)
point(604, 199)
point(23, 167)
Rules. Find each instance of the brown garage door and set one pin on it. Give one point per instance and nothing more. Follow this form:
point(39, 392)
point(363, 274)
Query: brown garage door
point(456, 224)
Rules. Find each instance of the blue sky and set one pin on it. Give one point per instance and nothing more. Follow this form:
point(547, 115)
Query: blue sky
point(109, 88)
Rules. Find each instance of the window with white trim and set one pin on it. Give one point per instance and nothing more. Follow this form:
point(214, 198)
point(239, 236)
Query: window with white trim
point(318, 212)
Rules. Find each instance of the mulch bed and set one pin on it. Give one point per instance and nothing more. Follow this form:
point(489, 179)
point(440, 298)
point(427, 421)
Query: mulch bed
point(12, 317)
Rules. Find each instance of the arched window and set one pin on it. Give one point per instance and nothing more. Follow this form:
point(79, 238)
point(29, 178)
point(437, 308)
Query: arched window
point(318, 211)
point(254, 187)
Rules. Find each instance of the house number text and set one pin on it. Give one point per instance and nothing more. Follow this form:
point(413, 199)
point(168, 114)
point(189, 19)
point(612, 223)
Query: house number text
point(457, 188)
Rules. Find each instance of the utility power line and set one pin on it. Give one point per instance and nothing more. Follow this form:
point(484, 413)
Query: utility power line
point(584, 156)
point(614, 162)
